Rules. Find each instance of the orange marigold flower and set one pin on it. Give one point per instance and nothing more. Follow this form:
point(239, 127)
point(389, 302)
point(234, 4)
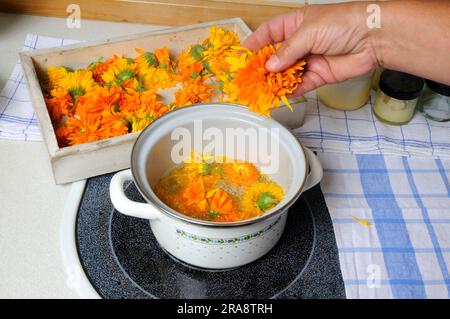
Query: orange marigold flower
point(98, 100)
point(193, 198)
point(221, 206)
point(241, 173)
point(188, 66)
point(261, 90)
point(162, 55)
point(89, 128)
point(59, 104)
point(193, 91)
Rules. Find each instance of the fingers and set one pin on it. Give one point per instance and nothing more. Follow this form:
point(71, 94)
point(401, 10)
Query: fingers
point(277, 29)
point(311, 81)
point(289, 52)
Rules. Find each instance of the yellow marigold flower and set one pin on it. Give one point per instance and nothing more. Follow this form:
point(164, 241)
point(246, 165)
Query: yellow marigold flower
point(145, 60)
point(237, 62)
point(77, 83)
point(218, 42)
point(56, 74)
point(155, 70)
point(157, 78)
point(261, 197)
point(138, 123)
point(204, 165)
point(229, 89)
point(119, 71)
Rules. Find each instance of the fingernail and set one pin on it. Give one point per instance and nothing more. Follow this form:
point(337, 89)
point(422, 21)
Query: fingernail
point(273, 62)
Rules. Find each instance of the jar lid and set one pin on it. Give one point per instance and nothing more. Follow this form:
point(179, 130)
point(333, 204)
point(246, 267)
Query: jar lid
point(400, 86)
point(439, 88)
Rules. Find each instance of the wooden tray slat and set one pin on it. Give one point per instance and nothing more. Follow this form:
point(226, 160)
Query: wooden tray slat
point(168, 12)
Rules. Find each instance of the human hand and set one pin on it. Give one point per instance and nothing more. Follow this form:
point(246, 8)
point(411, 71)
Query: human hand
point(334, 39)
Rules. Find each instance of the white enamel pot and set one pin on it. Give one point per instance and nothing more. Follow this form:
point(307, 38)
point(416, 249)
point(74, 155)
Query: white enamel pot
point(207, 244)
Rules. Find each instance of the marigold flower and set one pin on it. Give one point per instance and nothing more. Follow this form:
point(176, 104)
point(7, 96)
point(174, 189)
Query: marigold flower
point(77, 83)
point(221, 206)
point(98, 100)
point(56, 74)
point(59, 105)
point(157, 78)
point(188, 66)
point(193, 199)
point(260, 89)
point(261, 197)
point(121, 94)
point(241, 173)
point(145, 60)
point(120, 70)
point(89, 128)
point(219, 41)
point(193, 91)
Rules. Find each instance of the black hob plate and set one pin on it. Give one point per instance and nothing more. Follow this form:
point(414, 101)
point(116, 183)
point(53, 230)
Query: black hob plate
point(122, 259)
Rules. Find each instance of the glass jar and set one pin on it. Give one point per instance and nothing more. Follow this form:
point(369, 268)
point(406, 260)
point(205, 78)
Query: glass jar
point(397, 95)
point(434, 102)
point(348, 95)
point(376, 78)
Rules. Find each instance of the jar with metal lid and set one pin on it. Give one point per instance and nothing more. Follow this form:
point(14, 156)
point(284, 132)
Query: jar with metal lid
point(434, 102)
point(397, 95)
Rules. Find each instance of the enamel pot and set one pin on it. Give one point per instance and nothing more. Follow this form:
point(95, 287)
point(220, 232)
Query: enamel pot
point(208, 244)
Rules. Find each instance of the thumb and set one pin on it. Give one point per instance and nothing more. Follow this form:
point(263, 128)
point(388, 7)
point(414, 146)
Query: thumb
point(289, 52)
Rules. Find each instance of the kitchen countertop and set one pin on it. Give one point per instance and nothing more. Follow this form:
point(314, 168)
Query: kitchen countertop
point(31, 265)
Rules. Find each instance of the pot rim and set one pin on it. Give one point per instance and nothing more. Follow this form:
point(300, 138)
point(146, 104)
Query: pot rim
point(166, 210)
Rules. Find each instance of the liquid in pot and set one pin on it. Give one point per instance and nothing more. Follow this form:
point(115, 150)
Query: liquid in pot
point(218, 189)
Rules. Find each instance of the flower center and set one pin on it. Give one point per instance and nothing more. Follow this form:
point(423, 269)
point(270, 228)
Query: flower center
point(197, 52)
point(76, 92)
point(150, 59)
point(125, 75)
point(213, 214)
point(266, 201)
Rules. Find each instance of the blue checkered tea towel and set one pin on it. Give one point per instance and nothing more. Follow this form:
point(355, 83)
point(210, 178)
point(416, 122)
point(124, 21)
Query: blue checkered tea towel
point(17, 118)
point(359, 132)
point(391, 218)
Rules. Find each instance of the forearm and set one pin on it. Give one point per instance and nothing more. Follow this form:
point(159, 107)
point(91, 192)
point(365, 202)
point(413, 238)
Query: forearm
point(414, 37)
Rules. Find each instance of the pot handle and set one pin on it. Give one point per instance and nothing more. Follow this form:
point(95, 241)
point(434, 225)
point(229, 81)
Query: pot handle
point(316, 172)
point(123, 204)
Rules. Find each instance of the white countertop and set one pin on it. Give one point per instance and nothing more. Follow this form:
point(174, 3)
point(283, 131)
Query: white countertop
point(31, 208)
